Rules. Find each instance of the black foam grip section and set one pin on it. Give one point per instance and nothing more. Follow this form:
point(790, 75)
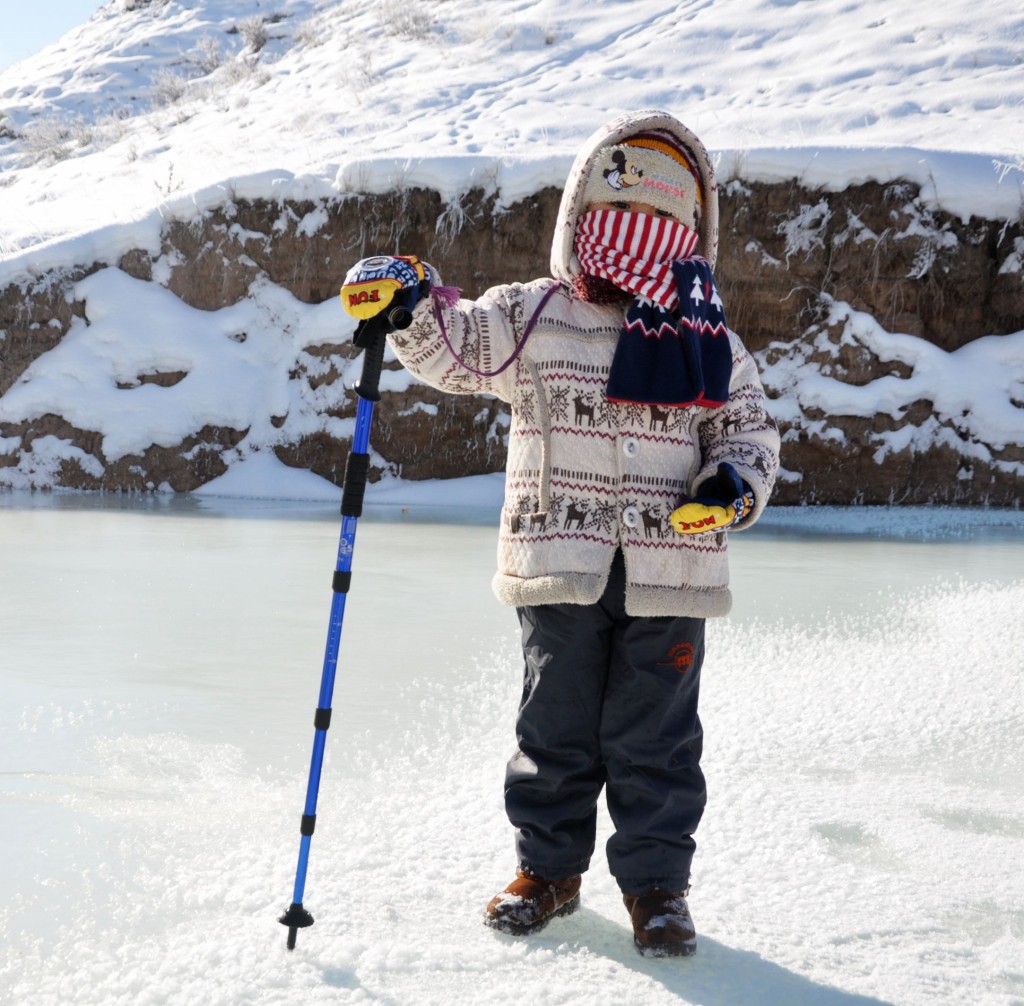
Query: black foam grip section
point(342, 580)
point(322, 719)
point(356, 469)
point(308, 824)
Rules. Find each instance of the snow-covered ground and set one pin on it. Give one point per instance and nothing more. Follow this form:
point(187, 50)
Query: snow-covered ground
point(161, 661)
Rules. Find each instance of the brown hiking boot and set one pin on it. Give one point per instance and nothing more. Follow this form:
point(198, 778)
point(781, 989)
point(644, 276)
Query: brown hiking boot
point(662, 926)
point(530, 902)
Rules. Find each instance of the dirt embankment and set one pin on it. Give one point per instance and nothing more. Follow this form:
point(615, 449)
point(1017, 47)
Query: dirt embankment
point(789, 258)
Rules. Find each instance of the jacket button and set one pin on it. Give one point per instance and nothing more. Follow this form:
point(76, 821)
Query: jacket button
point(631, 447)
point(631, 517)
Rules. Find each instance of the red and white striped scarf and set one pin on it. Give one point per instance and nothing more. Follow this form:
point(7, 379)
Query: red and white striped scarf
point(674, 348)
point(635, 251)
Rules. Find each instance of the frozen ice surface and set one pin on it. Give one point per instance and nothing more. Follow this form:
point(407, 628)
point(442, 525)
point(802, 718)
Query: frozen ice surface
point(160, 665)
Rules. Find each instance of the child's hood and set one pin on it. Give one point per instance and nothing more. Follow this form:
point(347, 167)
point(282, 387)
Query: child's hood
point(564, 264)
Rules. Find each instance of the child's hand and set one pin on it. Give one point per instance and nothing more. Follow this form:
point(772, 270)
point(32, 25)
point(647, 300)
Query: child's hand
point(720, 502)
point(381, 293)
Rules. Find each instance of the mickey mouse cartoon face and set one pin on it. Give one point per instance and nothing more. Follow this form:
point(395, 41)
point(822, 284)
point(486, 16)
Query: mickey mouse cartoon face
point(623, 173)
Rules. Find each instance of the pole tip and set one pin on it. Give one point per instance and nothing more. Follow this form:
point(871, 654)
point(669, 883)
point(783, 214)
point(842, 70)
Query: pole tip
point(295, 918)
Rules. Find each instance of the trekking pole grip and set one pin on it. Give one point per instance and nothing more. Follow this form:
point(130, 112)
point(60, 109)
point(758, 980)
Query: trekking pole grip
point(369, 378)
point(398, 317)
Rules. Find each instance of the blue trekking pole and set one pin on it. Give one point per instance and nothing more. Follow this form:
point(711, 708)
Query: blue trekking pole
point(383, 305)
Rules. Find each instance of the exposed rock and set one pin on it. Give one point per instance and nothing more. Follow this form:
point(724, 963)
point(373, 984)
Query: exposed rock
point(790, 258)
point(34, 317)
point(183, 467)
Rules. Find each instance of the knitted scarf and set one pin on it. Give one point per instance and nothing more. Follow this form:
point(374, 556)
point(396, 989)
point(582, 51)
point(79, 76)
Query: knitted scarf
point(674, 348)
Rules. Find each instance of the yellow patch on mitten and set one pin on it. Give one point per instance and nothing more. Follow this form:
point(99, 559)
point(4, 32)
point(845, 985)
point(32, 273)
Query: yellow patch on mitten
point(368, 298)
point(373, 283)
point(700, 518)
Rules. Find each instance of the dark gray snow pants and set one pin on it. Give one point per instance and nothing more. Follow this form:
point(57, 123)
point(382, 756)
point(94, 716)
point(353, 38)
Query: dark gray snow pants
point(609, 700)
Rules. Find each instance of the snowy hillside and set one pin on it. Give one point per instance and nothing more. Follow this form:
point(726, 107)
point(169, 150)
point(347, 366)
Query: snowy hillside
point(157, 103)
point(158, 111)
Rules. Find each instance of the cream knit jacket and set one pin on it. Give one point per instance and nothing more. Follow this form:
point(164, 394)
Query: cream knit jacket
point(586, 476)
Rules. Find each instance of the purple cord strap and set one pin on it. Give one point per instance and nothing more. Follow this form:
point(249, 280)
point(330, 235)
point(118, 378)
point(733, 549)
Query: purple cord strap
point(534, 318)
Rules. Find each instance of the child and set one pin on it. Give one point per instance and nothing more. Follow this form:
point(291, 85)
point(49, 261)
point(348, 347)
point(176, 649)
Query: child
point(639, 433)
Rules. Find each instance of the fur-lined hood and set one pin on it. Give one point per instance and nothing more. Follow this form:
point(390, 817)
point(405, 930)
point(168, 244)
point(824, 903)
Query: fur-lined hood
point(564, 264)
